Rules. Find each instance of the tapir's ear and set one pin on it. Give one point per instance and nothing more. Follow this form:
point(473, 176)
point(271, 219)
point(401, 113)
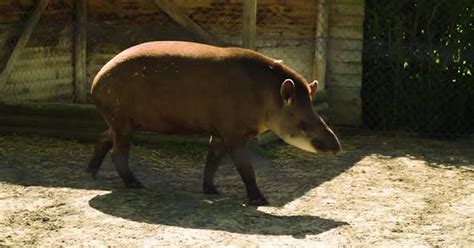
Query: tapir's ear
point(313, 88)
point(287, 90)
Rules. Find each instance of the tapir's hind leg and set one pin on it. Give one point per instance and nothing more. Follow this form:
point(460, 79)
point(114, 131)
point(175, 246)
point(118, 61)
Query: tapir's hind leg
point(120, 154)
point(215, 154)
point(101, 148)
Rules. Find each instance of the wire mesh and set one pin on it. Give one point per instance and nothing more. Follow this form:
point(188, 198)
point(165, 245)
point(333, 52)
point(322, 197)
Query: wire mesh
point(286, 31)
point(418, 63)
point(113, 27)
point(221, 19)
point(418, 56)
point(43, 70)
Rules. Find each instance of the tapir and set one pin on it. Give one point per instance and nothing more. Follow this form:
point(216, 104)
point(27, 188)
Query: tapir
point(230, 94)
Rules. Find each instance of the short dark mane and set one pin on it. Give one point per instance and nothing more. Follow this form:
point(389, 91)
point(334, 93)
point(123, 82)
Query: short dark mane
point(258, 63)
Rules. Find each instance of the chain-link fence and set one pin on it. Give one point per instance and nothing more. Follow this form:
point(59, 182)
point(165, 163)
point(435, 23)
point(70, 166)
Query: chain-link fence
point(418, 62)
point(44, 68)
point(40, 58)
point(417, 58)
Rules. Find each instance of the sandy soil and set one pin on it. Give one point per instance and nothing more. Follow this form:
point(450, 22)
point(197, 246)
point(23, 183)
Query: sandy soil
point(379, 191)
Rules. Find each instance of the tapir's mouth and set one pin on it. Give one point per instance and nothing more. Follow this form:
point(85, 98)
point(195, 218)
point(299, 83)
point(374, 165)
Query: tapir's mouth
point(313, 145)
point(300, 142)
point(320, 146)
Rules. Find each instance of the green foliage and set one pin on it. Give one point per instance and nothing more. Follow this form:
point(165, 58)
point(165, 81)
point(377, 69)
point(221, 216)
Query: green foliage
point(418, 65)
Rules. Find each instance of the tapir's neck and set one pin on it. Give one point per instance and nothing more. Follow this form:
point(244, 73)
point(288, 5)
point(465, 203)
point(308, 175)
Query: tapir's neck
point(271, 112)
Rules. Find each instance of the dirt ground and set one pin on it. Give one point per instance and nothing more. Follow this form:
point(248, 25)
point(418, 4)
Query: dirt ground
point(381, 191)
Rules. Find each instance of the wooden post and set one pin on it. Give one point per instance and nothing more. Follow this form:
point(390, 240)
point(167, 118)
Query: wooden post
point(22, 40)
point(250, 24)
point(182, 19)
point(321, 43)
point(80, 52)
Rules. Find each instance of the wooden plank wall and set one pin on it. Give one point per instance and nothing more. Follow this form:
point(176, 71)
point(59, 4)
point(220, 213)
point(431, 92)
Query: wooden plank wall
point(345, 61)
point(43, 70)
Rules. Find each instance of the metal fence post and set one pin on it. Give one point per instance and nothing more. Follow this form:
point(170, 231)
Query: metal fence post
point(250, 24)
point(320, 44)
point(80, 52)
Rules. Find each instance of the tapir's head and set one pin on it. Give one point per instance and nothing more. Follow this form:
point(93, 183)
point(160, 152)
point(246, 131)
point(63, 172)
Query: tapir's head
point(296, 122)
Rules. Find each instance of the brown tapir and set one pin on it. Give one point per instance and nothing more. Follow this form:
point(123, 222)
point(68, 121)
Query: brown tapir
point(232, 94)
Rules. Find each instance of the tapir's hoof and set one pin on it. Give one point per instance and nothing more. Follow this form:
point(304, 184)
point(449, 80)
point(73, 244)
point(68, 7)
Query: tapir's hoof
point(259, 202)
point(134, 184)
point(210, 190)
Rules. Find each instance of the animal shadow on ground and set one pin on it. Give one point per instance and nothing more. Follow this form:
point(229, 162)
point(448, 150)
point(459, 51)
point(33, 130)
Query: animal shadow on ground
point(173, 179)
point(173, 194)
point(188, 210)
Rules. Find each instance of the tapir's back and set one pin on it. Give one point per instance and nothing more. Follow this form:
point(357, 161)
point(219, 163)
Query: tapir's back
point(166, 85)
point(164, 58)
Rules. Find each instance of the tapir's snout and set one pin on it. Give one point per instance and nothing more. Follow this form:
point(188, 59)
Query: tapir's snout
point(330, 143)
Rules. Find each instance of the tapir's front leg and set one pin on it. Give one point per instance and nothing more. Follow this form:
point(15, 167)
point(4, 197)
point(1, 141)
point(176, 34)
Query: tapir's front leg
point(241, 157)
point(215, 154)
